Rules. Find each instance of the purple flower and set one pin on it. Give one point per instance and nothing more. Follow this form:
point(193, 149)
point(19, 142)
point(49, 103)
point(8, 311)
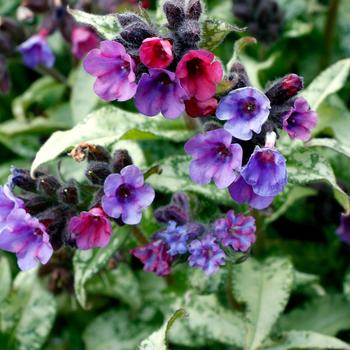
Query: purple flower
point(176, 238)
point(266, 172)
point(35, 51)
point(343, 231)
point(242, 193)
point(299, 120)
point(160, 92)
point(246, 110)
point(25, 236)
point(206, 254)
point(8, 202)
point(155, 258)
point(214, 157)
point(114, 70)
point(237, 231)
point(126, 195)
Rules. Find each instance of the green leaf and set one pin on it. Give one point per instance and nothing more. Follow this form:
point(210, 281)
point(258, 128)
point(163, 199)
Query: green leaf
point(214, 32)
point(157, 340)
point(27, 315)
point(297, 29)
point(107, 26)
point(307, 340)
point(327, 315)
point(175, 177)
point(87, 264)
point(327, 83)
point(207, 322)
point(265, 290)
point(331, 144)
point(5, 278)
point(108, 125)
point(238, 47)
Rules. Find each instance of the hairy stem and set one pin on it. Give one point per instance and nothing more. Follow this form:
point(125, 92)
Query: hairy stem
point(229, 292)
point(139, 236)
point(53, 73)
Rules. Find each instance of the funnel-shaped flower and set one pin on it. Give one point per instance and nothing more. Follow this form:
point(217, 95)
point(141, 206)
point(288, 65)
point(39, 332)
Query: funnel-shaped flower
point(156, 53)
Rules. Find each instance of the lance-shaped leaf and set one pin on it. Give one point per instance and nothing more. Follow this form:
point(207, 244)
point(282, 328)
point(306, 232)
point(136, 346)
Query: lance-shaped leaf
point(332, 144)
point(5, 279)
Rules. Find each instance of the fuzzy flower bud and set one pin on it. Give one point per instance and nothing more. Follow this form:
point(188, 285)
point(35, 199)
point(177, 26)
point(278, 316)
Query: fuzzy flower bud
point(97, 172)
point(121, 159)
point(175, 13)
point(48, 185)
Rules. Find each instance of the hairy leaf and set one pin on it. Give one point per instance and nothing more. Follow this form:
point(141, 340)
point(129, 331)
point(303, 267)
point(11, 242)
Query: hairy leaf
point(5, 279)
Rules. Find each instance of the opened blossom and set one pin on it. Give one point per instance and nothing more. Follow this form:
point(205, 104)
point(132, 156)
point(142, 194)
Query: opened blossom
point(156, 53)
point(266, 172)
point(195, 108)
point(114, 70)
point(246, 110)
point(126, 194)
point(214, 158)
point(83, 40)
point(8, 202)
point(91, 229)
point(199, 74)
point(300, 120)
point(160, 92)
point(236, 231)
point(25, 236)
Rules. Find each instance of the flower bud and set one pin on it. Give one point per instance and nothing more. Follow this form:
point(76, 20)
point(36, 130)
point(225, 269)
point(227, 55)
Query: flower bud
point(36, 204)
point(38, 6)
point(22, 179)
point(48, 185)
point(135, 33)
point(121, 159)
point(127, 18)
point(284, 88)
point(97, 172)
point(98, 153)
point(194, 10)
point(69, 194)
point(4, 77)
point(239, 75)
point(195, 108)
point(174, 12)
point(83, 40)
point(190, 32)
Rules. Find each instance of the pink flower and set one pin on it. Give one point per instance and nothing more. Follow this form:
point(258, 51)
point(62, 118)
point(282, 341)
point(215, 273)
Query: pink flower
point(83, 40)
point(199, 74)
point(156, 53)
point(91, 229)
point(195, 108)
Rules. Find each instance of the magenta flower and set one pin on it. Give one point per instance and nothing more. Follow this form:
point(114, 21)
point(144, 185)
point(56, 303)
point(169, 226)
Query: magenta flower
point(242, 193)
point(126, 194)
point(266, 172)
point(160, 92)
point(292, 84)
point(25, 236)
point(155, 258)
point(156, 53)
point(343, 231)
point(114, 70)
point(91, 229)
point(206, 254)
point(198, 109)
point(214, 157)
point(246, 110)
point(83, 40)
point(8, 202)
point(299, 121)
point(237, 231)
point(35, 51)
point(199, 74)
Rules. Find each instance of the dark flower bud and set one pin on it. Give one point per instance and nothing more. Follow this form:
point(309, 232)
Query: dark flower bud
point(97, 172)
point(6, 44)
point(4, 77)
point(48, 185)
point(96, 201)
point(22, 179)
point(195, 230)
point(174, 12)
point(38, 6)
point(36, 204)
point(135, 33)
point(189, 32)
point(59, 12)
point(98, 153)
point(13, 28)
point(127, 18)
point(181, 200)
point(239, 75)
point(209, 126)
point(283, 89)
point(121, 159)
point(194, 10)
point(69, 194)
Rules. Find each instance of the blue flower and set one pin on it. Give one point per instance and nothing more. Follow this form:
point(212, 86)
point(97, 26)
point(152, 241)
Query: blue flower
point(176, 238)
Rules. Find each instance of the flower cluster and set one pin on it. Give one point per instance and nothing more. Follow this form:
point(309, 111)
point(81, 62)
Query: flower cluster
point(164, 74)
point(202, 247)
point(46, 214)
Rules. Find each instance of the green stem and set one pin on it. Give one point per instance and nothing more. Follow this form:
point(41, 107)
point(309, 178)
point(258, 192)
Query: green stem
point(139, 236)
point(229, 292)
point(191, 123)
point(151, 171)
point(329, 31)
point(260, 245)
point(53, 73)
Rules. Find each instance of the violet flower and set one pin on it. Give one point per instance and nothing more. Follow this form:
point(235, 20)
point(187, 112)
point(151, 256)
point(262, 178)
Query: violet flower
point(160, 92)
point(237, 231)
point(126, 194)
point(114, 70)
point(214, 157)
point(246, 110)
point(299, 120)
point(8, 202)
point(176, 238)
point(343, 231)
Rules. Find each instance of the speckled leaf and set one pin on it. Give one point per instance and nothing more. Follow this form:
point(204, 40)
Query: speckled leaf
point(108, 125)
point(107, 26)
point(175, 177)
point(328, 82)
point(307, 340)
point(265, 290)
point(215, 32)
point(346, 285)
point(5, 278)
point(331, 144)
point(88, 263)
point(207, 322)
point(27, 315)
point(158, 339)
